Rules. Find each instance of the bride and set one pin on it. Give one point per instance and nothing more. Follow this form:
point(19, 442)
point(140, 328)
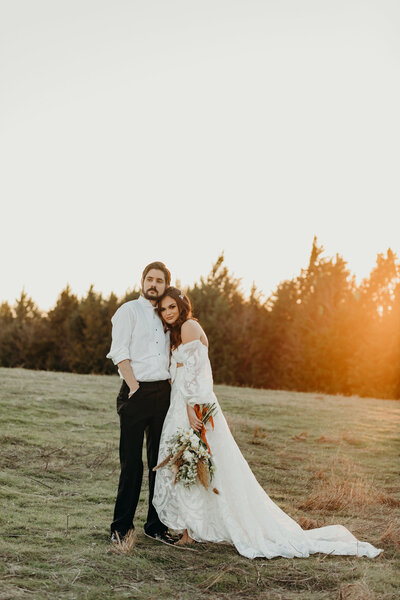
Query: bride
point(241, 513)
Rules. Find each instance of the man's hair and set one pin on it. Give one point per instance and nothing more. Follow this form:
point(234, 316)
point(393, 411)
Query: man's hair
point(161, 267)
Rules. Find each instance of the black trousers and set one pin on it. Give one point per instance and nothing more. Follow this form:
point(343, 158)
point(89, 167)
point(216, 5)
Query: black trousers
point(144, 412)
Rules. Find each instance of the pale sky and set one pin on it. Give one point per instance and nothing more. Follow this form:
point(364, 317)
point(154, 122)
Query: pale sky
point(172, 130)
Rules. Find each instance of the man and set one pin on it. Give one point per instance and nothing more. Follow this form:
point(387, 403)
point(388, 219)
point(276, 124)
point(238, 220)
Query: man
point(140, 348)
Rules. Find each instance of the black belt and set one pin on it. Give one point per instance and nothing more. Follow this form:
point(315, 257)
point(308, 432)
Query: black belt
point(154, 384)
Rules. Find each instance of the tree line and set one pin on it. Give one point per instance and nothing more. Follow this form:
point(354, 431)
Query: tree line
point(318, 332)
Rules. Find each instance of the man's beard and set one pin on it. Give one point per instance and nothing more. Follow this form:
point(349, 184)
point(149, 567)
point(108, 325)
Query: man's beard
point(155, 296)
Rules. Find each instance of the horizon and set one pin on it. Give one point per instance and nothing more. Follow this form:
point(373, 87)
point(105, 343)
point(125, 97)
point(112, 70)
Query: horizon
point(177, 282)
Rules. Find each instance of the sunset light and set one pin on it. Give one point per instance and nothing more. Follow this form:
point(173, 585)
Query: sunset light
point(200, 299)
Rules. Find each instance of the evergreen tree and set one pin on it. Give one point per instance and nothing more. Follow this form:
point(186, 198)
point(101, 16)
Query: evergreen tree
point(91, 329)
point(217, 303)
point(7, 347)
point(59, 322)
point(375, 366)
point(317, 332)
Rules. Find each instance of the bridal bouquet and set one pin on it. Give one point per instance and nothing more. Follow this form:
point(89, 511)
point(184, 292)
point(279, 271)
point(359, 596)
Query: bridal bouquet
point(189, 456)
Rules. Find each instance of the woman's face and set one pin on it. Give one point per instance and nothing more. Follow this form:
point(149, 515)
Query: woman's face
point(169, 310)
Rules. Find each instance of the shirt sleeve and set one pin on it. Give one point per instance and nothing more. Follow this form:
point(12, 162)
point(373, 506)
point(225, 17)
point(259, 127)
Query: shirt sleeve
point(123, 323)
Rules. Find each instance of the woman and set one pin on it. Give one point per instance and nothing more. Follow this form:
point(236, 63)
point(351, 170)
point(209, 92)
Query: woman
point(241, 513)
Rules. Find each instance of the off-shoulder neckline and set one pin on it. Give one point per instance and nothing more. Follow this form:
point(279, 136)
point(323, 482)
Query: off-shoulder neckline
point(193, 342)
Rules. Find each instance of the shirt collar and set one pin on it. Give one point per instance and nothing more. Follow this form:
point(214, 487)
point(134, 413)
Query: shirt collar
point(146, 303)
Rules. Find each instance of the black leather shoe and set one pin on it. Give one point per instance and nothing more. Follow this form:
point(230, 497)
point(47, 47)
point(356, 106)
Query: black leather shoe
point(164, 537)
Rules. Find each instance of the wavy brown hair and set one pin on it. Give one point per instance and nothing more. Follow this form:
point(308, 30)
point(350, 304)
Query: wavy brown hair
point(185, 313)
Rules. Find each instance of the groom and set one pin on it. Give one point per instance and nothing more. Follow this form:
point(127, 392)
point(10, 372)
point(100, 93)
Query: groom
point(140, 348)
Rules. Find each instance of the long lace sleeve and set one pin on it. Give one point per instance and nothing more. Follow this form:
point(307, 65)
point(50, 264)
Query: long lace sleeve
point(197, 382)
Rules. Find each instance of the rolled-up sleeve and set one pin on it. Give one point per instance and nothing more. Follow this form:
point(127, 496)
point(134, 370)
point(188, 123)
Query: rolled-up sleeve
point(123, 323)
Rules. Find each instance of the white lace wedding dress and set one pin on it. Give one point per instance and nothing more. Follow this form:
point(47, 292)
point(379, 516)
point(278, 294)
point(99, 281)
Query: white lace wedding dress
point(242, 513)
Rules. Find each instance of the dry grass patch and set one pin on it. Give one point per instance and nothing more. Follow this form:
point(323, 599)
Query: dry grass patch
point(336, 493)
point(337, 490)
point(259, 433)
point(326, 439)
point(301, 437)
point(259, 437)
point(391, 535)
point(241, 424)
point(126, 545)
point(307, 523)
point(349, 439)
point(345, 437)
point(356, 591)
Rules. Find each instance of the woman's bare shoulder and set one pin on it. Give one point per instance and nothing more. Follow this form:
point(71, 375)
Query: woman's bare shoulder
point(190, 331)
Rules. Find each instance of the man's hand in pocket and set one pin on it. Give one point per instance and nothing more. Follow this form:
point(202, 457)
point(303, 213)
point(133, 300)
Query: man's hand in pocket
point(131, 392)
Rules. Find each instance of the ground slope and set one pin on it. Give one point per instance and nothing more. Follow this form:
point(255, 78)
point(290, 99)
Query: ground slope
point(323, 459)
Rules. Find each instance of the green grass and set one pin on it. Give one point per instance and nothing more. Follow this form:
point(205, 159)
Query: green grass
point(59, 454)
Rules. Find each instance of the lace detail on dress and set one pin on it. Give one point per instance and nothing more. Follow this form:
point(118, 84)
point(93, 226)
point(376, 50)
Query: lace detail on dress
point(196, 385)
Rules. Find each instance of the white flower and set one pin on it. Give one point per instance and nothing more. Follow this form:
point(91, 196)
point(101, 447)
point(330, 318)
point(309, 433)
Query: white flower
point(194, 440)
point(187, 456)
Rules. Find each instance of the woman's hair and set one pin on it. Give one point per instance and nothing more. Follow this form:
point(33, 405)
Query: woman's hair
point(185, 313)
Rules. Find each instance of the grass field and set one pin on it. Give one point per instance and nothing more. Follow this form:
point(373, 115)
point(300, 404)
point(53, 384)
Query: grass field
point(323, 459)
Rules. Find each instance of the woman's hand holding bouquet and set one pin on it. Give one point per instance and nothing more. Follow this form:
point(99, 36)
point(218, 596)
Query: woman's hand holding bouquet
point(189, 455)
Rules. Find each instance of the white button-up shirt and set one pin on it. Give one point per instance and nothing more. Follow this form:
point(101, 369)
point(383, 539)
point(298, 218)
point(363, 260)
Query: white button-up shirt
point(138, 335)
